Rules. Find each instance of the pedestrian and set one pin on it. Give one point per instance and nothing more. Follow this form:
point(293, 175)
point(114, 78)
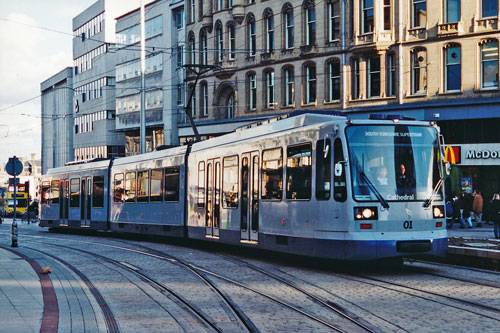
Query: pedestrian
point(477, 207)
point(455, 204)
point(465, 204)
point(495, 213)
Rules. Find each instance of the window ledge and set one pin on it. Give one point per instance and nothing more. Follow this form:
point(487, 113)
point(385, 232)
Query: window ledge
point(309, 104)
point(336, 101)
point(450, 93)
point(486, 90)
point(288, 106)
point(417, 95)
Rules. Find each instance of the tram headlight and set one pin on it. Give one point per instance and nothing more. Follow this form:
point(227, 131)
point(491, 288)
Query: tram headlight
point(365, 213)
point(438, 211)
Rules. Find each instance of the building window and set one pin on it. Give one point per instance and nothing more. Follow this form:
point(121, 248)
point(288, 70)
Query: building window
point(219, 35)
point(180, 55)
point(252, 38)
point(489, 8)
point(232, 42)
point(270, 90)
point(387, 14)
point(229, 4)
point(367, 19)
point(289, 27)
point(310, 37)
point(419, 14)
point(355, 78)
point(374, 77)
point(230, 107)
point(204, 98)
point(489, 65)
point(269, 29)
point(192, 12)
point(192, 91)
point(180, 98)
point(289, 85)
point(333, 68)
point(192, 49)
point(333, 21)
point(452, 11)
point(310, 76)
point(220, 4)
point(418, 71)
point(453, 68)
point(252, 91)
point(391, 75)
point(203, 48)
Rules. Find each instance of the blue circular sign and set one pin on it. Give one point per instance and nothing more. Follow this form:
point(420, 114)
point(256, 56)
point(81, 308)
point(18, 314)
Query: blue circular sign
point(14, 167)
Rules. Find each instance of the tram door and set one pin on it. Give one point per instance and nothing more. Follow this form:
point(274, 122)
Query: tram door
point(66, 201)
point(212, 214)
point(249, 223)
point(85, 202)
point(61, 200)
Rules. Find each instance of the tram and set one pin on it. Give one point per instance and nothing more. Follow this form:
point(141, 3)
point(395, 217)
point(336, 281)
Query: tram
point(310, 184)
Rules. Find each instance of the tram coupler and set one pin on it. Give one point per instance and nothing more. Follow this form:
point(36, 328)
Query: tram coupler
point(14, 233)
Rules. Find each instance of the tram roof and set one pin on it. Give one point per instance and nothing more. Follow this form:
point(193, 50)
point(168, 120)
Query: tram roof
point(274, 125)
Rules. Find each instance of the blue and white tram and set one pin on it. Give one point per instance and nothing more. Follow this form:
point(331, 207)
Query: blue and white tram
point(313, 185)
point(76, 196)
point(309, 185)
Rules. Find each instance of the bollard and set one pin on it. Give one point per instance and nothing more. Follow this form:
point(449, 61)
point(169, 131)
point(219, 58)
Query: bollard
point(14, 234)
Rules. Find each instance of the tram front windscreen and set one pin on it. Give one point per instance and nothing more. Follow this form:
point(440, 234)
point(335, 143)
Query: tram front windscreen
point(394, 162)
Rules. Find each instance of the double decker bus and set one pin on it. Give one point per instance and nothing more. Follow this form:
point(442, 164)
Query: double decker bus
point(21, 199)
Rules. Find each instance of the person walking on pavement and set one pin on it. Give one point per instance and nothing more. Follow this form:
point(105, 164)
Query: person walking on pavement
point(465, 204)
point(477, 207)
point(495, 214)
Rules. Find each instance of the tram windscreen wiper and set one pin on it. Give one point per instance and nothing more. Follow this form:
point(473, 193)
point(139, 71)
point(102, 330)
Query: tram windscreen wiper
point(372, 187)
point(429, 201)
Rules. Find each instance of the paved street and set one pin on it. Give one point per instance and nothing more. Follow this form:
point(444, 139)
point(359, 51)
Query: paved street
point(111, 284)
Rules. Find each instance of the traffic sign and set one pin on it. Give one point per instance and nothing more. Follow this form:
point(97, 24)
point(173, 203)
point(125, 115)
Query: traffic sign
point(14, 167)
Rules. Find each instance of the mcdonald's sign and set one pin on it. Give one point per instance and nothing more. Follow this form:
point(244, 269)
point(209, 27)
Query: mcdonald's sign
point(453, 154)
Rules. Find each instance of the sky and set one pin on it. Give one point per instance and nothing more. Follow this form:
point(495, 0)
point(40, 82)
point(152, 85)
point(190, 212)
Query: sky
point(28, 56)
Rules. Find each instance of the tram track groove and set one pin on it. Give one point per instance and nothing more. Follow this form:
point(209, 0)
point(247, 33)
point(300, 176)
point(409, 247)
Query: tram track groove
point(172, 259)
point(199, 314)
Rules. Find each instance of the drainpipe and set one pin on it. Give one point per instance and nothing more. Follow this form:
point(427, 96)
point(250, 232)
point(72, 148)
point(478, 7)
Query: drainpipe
point(400, 51)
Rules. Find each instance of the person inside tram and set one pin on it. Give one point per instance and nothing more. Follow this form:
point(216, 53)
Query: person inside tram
point(404, 181)
point(382, 176)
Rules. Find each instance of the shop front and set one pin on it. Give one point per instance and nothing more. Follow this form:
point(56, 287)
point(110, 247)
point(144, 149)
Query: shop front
point(474, 167)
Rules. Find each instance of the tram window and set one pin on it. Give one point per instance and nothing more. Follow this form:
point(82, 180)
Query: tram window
point(172, 184)
point(142, 186)
point(45, 192)
point(339, 185)
point(230, 185)
point(298, 172)
point(75, 193)
point(118, 188)
point(98, 192)
point(156, 184)
point(272, 174)
point(323, 169)
point(54, 192)
point(130, 187)
point(201, 184)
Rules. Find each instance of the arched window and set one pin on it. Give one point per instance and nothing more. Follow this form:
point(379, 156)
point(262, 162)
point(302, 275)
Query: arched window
point(489, 64)
point(230, 106)
point(231, 32)
point(289, 86)
point(192, 101)
point(418, 58)
point(204, 98)
point(288, 24)
point(310, 83)
point(191, 48)
point(333, 83)
point(269, 30)
point(219, 41)
point(203, 47)
point(309, 23)
point(252, 91)
point(269, 97)
point(251, 35)
point(452, 67)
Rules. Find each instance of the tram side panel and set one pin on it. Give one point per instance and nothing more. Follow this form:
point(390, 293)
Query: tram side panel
point(147, 197)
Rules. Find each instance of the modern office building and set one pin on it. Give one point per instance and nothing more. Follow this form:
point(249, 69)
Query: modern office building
point(57, 120)
point(95, 134)
point(429, 60)
point(164, 74)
